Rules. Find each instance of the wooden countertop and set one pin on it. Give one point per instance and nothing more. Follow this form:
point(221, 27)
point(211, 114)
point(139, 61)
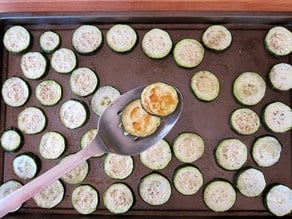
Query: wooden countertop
point(143, 5)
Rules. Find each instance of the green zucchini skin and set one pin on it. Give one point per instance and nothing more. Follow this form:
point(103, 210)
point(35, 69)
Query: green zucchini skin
point(8, 187)
point(225, 201)
point(6, 140)
point(47, 89)
point(61, 64)
point(280, 76)
point(26, 39)
point(33, 159)
point(221, 38)
point(88, 196)
point(277, 199)
point(47, 41)
point(250, 182)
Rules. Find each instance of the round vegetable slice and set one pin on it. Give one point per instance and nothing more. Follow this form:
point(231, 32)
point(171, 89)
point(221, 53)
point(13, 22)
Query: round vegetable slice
point(249, 88)
point(188, 53)
point(137, 122)
point(188, 147)
point(251, 182)
point(85, 199)
point(159, 99)
point(83, 81)
point(280, 76)
point(15, 91)
point(63, 60)
point(26, 165)
point(278, 41)
point(48, 92)
point(278, 117)
point(73, 114)
point(278, 200)
point(217, 37)
point(52, 145)
point(118, 198)
point(11, 140)
point(245, 121)
point(51, 196)
point(219, 195)
point(158, 156)
point(49, 41)
point(266, 151)
point(205, 85)
point(121, 38)
point(155, 189)
point(156, 43)
point(87, 138)
point(16, 39)
point(76, 175)
point(31, 120)
point(103, 97)
point(231, 154)
point(9, 187)
point(33, 65)
point(118, 166)
point(86, 39)
point(188, 180)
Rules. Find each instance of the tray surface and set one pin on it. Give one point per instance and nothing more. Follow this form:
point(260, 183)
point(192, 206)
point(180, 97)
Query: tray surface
point(127, 71)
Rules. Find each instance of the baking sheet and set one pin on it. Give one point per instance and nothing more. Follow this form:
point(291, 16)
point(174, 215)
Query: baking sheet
point(127, 71)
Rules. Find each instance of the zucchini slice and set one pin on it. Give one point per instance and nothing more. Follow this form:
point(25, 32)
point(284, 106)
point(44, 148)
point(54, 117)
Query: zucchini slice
point(188, 147)
point(219, 195)
point(51, 196)
point(85, 199)
point(63, 60)
point(16, 39)
point(278, 200)
point(103, 97)
point(87, 138)
point(73, 114)
point(118, 166)
point(33, 65)
point(11, 140)
point(245, 121)
point(188, 53)
point(266, 151)
point(83, 81)
point(48, 92)
point(26, 165)
point(158, 156)
point(49, 41)
point(31, 120)
point(86, 39)
point(249, 88)
point(188, 180)
point(121, 38)
point(231, 154)
point(205, 85)
point(15, 91)
point(278, 41)
point(52, 145)
point(137, 122)
point(156, 43)
point(280, 76)
point(217, 38)
point(78, 174)
point(251, 182)
point(118, 198)
point(9, 187)
point(154, 189)
point(159, 99)
point(278, 117)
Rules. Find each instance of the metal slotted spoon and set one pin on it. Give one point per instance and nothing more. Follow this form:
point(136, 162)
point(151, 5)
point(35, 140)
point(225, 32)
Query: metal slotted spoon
point(110, 138)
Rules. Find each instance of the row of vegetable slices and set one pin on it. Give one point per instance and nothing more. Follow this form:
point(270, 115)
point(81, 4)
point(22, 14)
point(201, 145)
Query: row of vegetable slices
point(156, 44)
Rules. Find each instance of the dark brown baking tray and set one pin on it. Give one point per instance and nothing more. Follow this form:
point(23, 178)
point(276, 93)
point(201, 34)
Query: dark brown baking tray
point(126, 71)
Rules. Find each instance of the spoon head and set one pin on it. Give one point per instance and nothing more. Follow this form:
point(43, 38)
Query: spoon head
point(112, 134)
